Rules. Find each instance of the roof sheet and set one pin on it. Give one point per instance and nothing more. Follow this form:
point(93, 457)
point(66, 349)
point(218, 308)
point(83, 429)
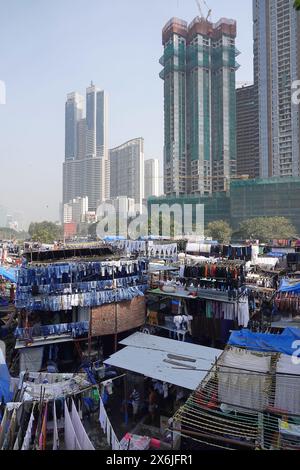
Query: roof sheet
point(146, 355)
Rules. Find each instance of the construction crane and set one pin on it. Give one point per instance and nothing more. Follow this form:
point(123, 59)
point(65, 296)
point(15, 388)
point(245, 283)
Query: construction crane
point(208, 9)
point(200, 9)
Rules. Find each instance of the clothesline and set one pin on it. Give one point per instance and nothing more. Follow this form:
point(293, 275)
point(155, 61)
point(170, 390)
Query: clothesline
point(14, 436)
point(56, 303)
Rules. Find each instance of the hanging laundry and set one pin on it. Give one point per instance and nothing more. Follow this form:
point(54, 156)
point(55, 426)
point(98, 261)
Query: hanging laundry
point(108, 432)
point(55, 429)
point(27, 438)
point(243, 312)
point(102, 416)
point(114, 442)
point(71, 441)
point(17, 441)
point(4, 427)
point(107, 428)
point(43, 435)
point(83, 439)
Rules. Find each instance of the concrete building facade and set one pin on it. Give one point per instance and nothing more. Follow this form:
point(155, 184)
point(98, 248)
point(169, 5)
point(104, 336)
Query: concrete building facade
point(127, 170)
point(276, 67)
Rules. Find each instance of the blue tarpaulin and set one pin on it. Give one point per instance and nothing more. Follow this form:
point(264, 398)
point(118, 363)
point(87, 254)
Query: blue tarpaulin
point(276, 254)
point(4, 380)
point(267, 342)
point(9, 273)
point(288, 285)
point(113, 239)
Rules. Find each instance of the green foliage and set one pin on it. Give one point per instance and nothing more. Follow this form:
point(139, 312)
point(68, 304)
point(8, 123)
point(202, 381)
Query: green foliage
point(10, 234)
point(219, 230)
point(155, 227)
point(297, 4)
point(92, 230)
point(45, 232)
point(265, 229)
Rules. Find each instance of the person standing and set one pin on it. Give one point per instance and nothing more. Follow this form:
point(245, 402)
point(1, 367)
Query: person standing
point(153, 404)
point(135, 401)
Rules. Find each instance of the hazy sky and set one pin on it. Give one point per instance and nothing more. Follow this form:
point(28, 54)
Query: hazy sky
point(50, 48)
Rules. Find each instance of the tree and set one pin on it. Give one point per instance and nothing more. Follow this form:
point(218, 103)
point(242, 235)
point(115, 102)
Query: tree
point(156, 227)
point(10, 234)
point(297, 4)
point(219, 230)
point(267, 228)
point(92, 230)
point(45, 232)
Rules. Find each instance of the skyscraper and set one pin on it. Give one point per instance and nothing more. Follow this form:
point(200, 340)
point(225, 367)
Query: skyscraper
point(276, 66)
point(247, 132)
point(151, 178)
point(74, 112)
point(200, 105)
point(86, 166)
point(127, 170)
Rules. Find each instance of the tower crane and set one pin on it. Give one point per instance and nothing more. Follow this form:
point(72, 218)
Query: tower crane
point(208, 9)
point(200, 9)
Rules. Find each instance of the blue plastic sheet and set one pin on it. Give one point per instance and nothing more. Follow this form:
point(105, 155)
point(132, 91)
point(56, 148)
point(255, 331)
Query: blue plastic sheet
point(4, 380)
point(113, 239)
point(267, 342)
point(289, 286)
point(276, 254)
point(9, 273)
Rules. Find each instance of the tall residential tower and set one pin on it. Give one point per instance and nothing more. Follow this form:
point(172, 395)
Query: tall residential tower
point(200, 105)
point(151, 177)
point(86, 166)
point(247, 132)
point(276, 66)
point(127, 170)
point(73, 114)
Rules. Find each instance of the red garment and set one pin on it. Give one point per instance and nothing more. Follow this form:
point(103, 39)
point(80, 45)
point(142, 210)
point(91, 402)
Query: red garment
point(43, 435)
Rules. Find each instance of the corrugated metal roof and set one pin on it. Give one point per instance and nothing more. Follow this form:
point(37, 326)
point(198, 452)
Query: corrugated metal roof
point(146, 355)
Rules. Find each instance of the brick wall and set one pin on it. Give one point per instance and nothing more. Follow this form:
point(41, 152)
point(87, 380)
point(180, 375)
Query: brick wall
point(117, 318)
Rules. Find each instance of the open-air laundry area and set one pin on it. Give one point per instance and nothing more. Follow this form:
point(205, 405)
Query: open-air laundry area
point(150, 344)
point(249, 399)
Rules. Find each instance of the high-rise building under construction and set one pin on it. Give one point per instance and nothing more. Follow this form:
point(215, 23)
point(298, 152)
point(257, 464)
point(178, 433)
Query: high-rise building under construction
point(199, 72)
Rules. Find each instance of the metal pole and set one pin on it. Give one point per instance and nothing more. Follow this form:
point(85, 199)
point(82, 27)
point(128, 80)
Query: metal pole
point(126, 399)
point(116, 315)
point(90, 335)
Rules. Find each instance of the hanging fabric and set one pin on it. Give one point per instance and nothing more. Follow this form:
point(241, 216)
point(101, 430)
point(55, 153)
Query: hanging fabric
point(71, 441)
point(3, 427)
point(55, 429)
point(83, 439)
point(27, 438)
point(43, 434)
point(102, 416)
point(108, 432)
point(107, 428)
